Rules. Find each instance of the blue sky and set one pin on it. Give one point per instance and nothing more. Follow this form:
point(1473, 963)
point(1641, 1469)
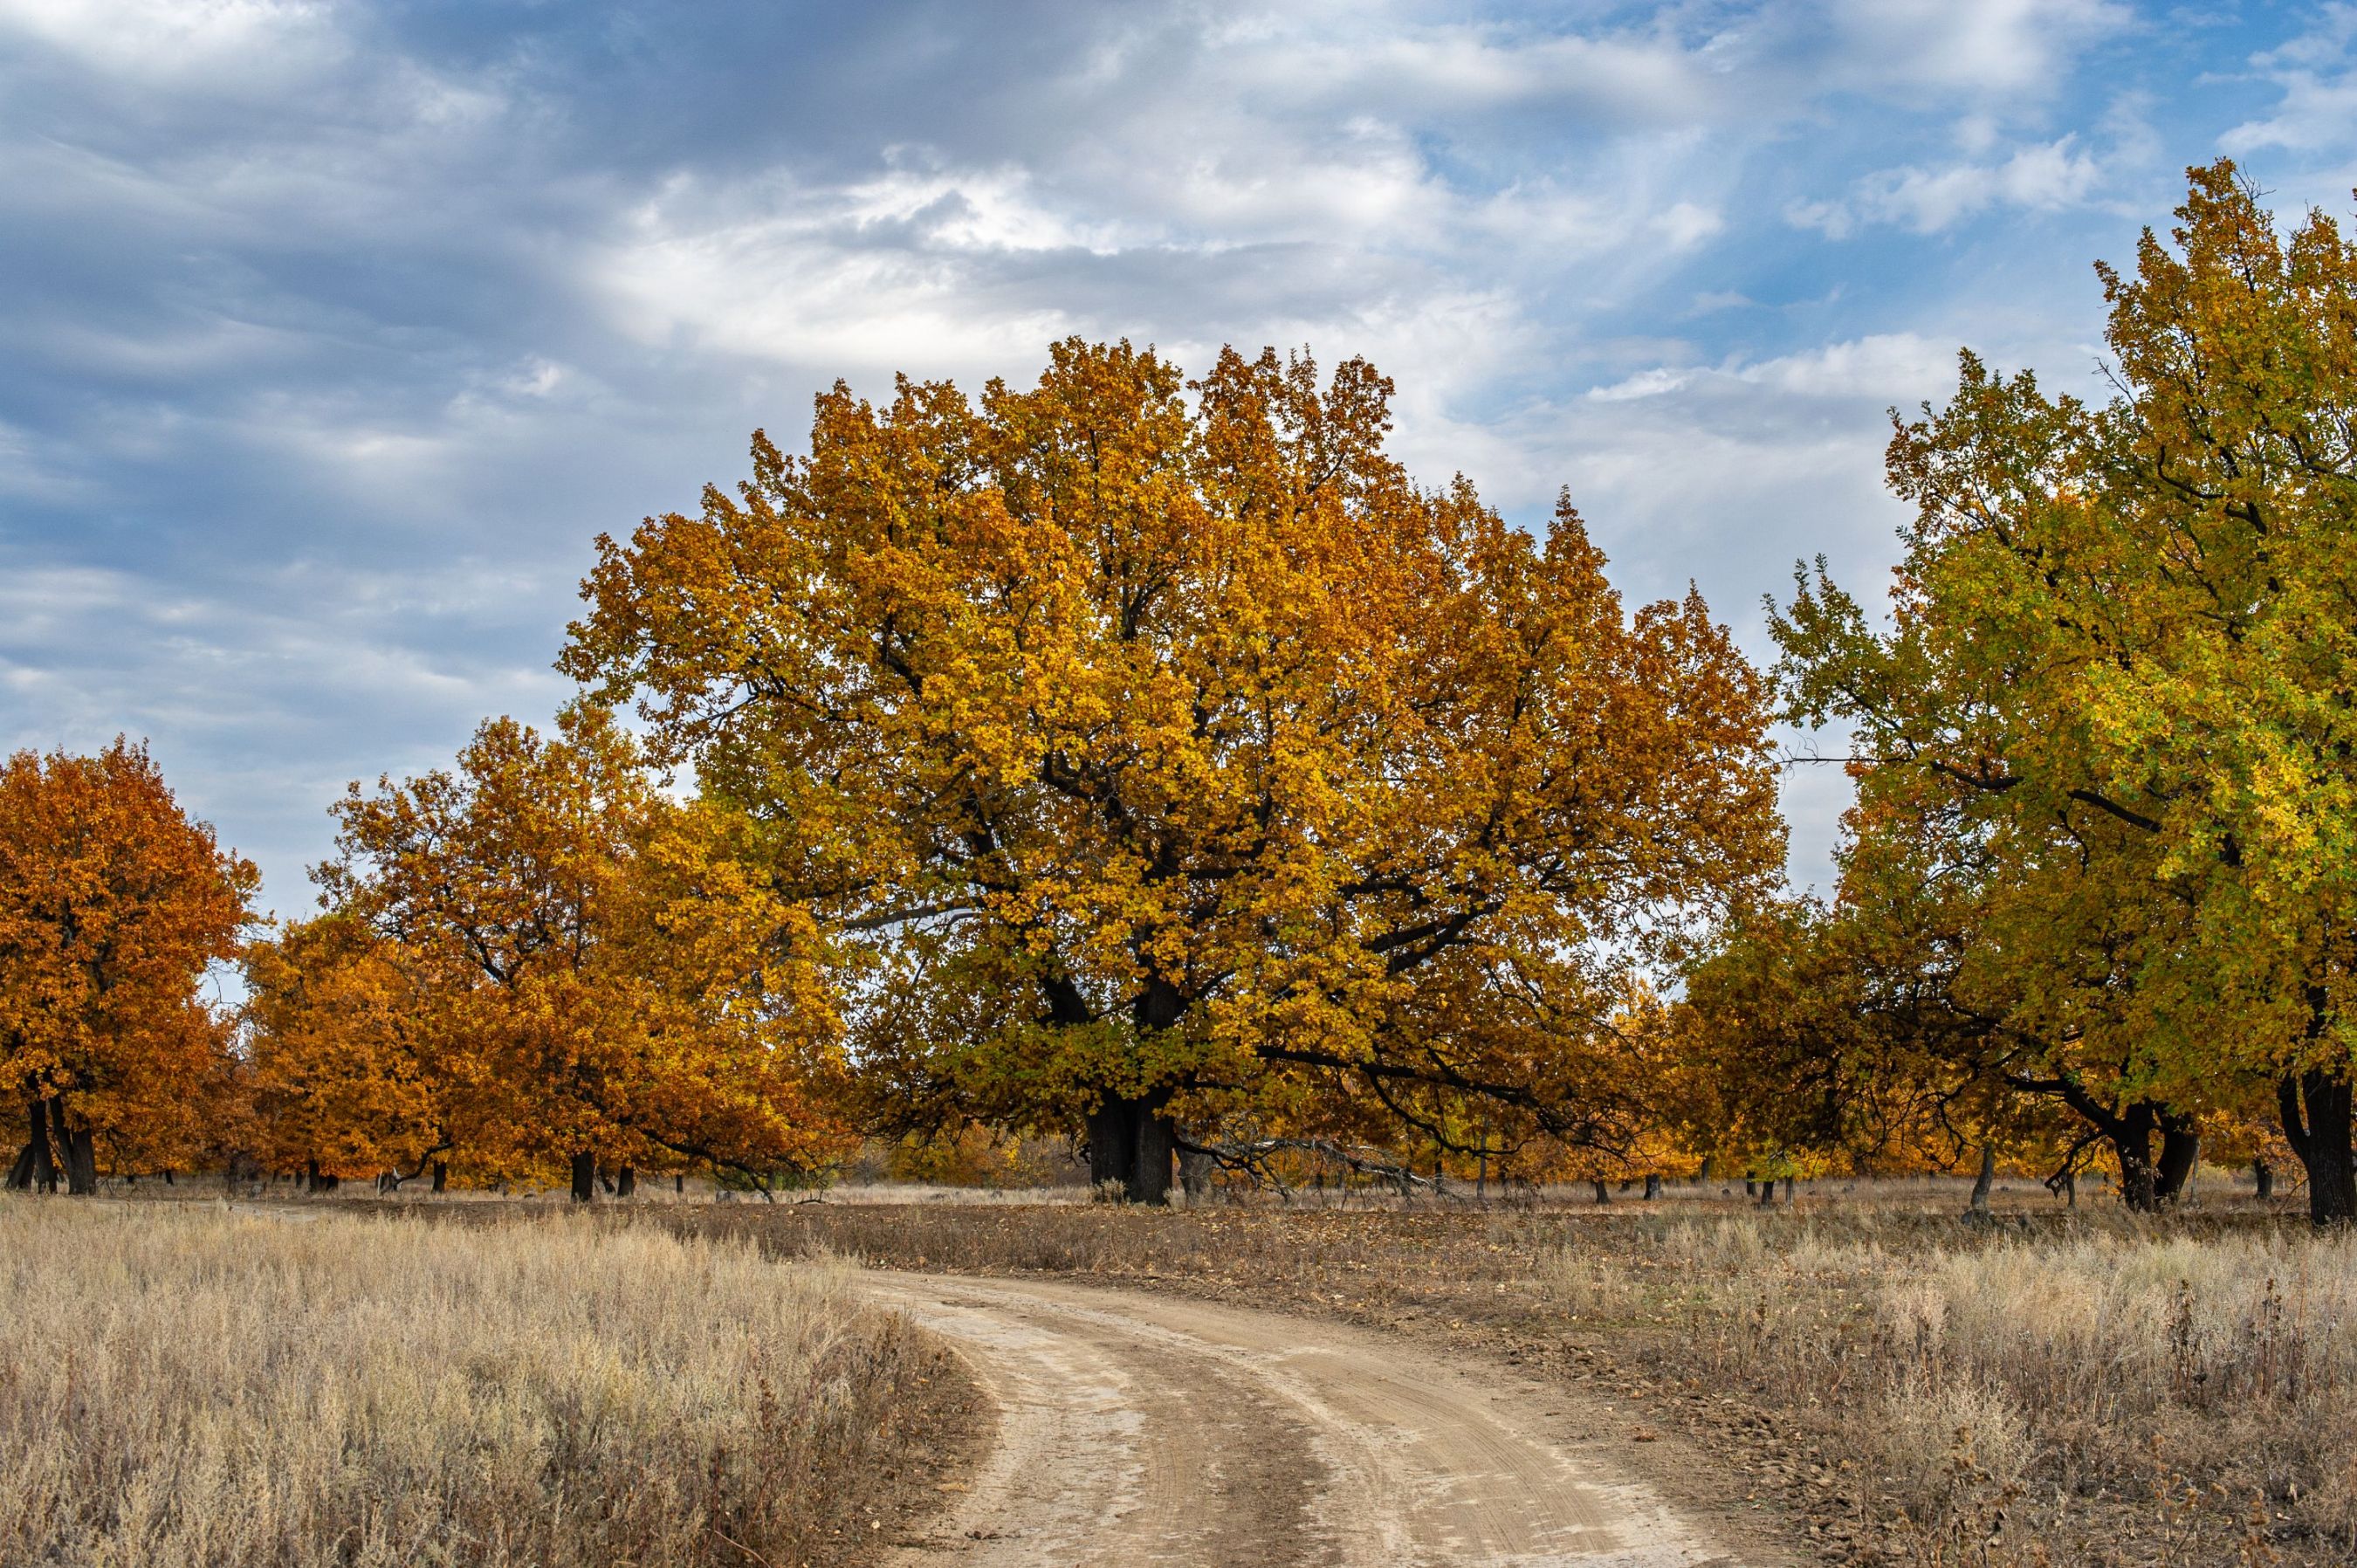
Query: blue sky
point(334, 332)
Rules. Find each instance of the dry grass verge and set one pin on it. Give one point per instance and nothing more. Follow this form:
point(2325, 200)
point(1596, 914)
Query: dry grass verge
point(1914, 1387)
point(185, 1388)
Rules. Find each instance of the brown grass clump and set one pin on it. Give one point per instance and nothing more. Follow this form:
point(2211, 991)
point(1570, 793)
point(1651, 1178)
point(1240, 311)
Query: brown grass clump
point(1993, 1387)
point(187, 1388)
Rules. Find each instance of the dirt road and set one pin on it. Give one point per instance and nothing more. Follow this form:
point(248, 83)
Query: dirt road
point(1139, 1429)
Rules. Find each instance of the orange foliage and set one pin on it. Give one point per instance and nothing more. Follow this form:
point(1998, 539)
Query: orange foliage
point(113, 903)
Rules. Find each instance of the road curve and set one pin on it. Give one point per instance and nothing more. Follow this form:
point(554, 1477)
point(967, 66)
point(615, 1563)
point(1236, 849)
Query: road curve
point(1139, 1429)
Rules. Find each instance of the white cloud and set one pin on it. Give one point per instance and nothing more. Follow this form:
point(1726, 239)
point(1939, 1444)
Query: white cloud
point(214, 42)
point(1979, 47)
point(1888, 368)
point(2040, 177)
point(1656, 382)
point(2317, 77)
point(1375, 64)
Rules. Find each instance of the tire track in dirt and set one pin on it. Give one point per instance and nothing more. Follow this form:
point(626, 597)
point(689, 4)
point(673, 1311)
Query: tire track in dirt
point(1139, 1429)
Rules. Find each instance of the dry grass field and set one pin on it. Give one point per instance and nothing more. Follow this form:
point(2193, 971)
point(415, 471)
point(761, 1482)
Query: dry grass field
point(1904, 1384)
point(1882, 1379)
point(181, 1387)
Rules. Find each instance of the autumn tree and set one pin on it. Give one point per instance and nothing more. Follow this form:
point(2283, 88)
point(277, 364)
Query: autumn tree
point(1148, 754)
point(113, 904)
point(2131, 624)
point(1962, 990)
point(355, 1068)
point(604, 982)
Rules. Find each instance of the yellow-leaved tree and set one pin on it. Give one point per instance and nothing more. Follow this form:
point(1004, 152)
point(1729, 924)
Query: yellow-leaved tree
point(2123, 645)
point(1152, 758)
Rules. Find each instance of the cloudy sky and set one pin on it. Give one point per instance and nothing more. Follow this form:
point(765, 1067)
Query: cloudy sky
point(332, 333)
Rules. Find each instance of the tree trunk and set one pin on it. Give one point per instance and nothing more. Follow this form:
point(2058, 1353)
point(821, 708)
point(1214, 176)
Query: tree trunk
point(626, 1182)
point(2181, 1154)
point(2131, 1140)
point(1987, 1177)
point(1653, 1186)
point(39, 1161)
point(441, 1176)
point(1750, 1188)
point(1709, 1173)
point(316, 1180)
point(1195, 1174)
point(1788, 1190)
point(2316, 1120)
point(81, 1163)
point(2264, 1175)
point(1602, 1196)
point(1132, 1141)
point(584, 1178)
point(2070, 1189)
point(679, 1184)
point(1767, 1193)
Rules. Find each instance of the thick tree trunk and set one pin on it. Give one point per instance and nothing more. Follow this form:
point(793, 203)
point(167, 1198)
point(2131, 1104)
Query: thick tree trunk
point(78, 1146)
point(2180, 1156)
point(2070, 1189)
point(2315, 1122)
point(316, 1180)
point(626, 1182)
point(441, 1176)
point(1767, 1193)
point(2264, 1175)
point(1789, 1182)
point(584, 1178)
point(1601, 1195)
point(1653, 1186)
point(1132, 1141)
point(679, 1184)
point(1987, 1177)
point(2130, 1137)
point(1750, 1188)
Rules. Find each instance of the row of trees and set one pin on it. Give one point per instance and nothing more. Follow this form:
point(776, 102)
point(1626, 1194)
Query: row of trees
point(1153, 760)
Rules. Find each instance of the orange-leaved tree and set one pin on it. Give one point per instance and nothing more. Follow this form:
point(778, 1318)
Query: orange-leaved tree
point(355, 1070)
point(1147, 755)
point(612, 984)
point(113, 903)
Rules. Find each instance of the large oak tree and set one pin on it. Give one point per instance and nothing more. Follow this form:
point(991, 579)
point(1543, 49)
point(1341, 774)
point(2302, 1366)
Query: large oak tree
point(1148, 754)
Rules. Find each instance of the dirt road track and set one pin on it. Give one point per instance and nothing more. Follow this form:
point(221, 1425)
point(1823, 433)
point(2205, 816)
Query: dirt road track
point(1139, 1429)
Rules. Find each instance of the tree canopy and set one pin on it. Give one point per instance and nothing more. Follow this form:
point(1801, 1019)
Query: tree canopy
point(1161, 750)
